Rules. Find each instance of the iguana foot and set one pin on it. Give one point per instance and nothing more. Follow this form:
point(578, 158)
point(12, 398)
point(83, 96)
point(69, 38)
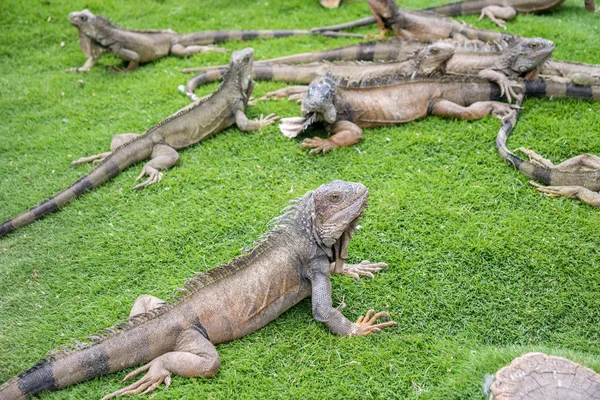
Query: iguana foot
point(536, 159)
point(153, 176)
point(501, 23)
point(96, 158)
point(156, 375)
point(268, 120)
point(284, 92)
point(330, 3)
point(570, 192)
point(503, 110)
point(366, 325)
point(78, 69)
point(506, 89)
point(318, 145)
point(365, 268)
point(379, 36)
point(119, 70)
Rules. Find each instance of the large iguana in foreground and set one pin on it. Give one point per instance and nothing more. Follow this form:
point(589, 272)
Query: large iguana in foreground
point(293, 261)
point(345, 108)
point(499, 62)
point(575, 178)
point(98, 35)
point(538, 376)
point(160, 143)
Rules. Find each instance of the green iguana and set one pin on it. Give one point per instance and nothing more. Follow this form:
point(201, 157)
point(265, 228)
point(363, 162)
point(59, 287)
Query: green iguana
point(420, 25)
point(189, 125)
point(538, 376)
point(575, 178)
point(98, 35)
point(346, 108)
point(499, 62)
point(293, 261)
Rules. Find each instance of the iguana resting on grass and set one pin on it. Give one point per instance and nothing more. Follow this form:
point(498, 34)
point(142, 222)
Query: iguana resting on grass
point(578, 73)
point(499, 62)
point(426, 61)
point(189, 125)
point(293, 261)
point(415, 24)
point(97, 35)
point(345, 109)
point(537, 376)
point(575, 178)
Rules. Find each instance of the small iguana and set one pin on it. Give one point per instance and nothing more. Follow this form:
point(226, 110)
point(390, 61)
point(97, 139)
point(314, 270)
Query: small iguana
point(292, 261)
point(98, 35)
point(575, 178)
point(538, 376)
point(191, 124)
point(500, 10)
point(499, 62)
point(428, 60)
point(345, 109)
point(424, 26)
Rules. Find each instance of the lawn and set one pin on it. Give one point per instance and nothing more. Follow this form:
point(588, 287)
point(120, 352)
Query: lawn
point(482, 267)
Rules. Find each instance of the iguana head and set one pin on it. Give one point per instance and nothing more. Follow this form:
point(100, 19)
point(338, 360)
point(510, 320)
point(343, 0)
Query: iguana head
point(530, 54)
point(240, 67)
point(317, 104)
point(82, 18)
point(90, 27)
point(338, 206)
point(432, 57)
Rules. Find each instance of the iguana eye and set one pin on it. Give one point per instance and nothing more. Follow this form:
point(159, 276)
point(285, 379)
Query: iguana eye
point(83, 18)
point(434, 51)
point(534, 45)
point(335, 197)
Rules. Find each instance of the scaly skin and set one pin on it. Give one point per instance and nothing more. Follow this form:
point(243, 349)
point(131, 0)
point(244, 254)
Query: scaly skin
point(537, 376)
point(345, 109)
point(187, 126)
point(575, 178)
point(430, 59)
point(293, 261)
point(97, 36)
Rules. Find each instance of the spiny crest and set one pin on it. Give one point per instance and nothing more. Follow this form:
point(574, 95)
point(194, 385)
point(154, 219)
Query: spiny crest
point(396, 79)
point(496, 46)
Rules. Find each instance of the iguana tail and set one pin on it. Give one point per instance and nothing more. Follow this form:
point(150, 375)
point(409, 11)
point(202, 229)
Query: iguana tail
point(462, 7)
point(120, 159)
point(551, 88)
point(213, 75)
point(347, 25)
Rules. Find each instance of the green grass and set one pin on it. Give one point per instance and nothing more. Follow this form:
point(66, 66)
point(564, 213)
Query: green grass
point(482, 267)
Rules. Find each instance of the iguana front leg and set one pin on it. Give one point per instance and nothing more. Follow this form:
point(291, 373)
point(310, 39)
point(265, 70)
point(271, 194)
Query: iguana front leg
point(183, 51)
point(572, 192)
point(478, 110)
point(116, 142)
point(323, 311)
point(498, 14)
point(163, 156)
point(506, 85)
point(248, 125)
point(194, 356)
point(355, 271)
point(346, 134)
point(89, 63)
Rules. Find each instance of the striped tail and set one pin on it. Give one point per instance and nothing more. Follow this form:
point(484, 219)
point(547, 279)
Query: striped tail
point(107, 169)
point(550, 88)
point(347, 25)
point(462, 7)
point(211, 75)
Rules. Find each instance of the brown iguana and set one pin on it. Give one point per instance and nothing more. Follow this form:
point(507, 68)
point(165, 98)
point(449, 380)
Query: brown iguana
point(538, 376)
point(578, 73)
point(575, 178)
point(428, 60)
point(189, 125)
point(98, 35)
point(293, 261)
point(499, 62)
point(345, 109)
point(420, 25)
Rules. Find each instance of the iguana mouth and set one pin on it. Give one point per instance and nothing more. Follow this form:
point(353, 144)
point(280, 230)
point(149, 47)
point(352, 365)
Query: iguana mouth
point(340, 247)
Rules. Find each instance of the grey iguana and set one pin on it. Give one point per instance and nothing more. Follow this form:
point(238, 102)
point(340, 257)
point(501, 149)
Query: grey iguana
point(293, 261)
point(187, 126)
point(98, 35)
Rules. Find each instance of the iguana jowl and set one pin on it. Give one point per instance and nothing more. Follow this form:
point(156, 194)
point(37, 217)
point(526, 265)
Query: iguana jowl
point(293, 261)
point(97, 36)
point(345, 109)
point(575, 178)
point(189, 125)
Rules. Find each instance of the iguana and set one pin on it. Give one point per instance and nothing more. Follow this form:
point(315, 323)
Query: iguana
point(496, 10)
point(578, 73)
point(345, 109)
point(499, 62)
point(575, 178)
point(293, 261)
point(98, 35)
point(538, 376)
point(189, 125)
point(420, 25)
point(426, 61)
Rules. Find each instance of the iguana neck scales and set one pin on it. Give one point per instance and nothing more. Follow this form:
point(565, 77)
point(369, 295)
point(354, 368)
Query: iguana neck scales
point(189, 125)
point(293, 261)
point(98, 35)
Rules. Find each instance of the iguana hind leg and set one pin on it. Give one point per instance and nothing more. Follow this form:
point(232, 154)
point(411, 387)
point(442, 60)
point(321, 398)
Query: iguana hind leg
point(116, 142)
point(194, 356)
point(144, 304)
point(582, 162)
point(185, 51)
point(572, 192)
point(478, 110)
point(498, 14)
point(283, 93)
point(163, 156)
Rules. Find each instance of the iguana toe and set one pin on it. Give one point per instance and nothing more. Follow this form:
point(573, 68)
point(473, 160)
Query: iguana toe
point(366, 325)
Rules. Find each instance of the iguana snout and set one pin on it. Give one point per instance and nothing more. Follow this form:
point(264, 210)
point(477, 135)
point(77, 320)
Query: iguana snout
point(317, 104)
point(80, 18)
